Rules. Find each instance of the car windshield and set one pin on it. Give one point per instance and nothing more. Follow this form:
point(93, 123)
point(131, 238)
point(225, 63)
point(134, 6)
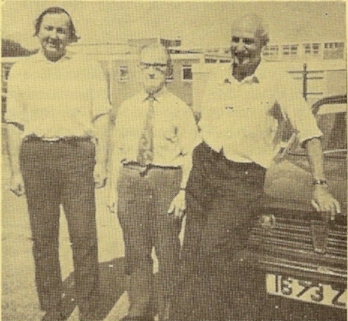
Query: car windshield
point(334, 140)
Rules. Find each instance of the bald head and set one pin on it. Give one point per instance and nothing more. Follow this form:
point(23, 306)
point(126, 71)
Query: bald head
point(248, 38)
point(253, 24)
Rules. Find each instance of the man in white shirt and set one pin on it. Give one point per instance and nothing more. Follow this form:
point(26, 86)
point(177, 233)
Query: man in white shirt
point(153, 140)
point(242, 107)
point(56, 114)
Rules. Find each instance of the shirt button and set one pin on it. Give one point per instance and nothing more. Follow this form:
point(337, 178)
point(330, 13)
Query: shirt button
point(246, 172)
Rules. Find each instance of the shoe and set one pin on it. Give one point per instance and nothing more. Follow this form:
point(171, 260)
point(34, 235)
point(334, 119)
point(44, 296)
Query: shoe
point(53, 315)
point(137, 318)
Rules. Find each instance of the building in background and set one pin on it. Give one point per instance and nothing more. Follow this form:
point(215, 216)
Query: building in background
point(120, 60)
point(306, 51)
point(325, 66)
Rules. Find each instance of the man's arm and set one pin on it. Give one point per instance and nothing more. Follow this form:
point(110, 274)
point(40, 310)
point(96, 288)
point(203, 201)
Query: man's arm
point(308, 133)
point(114, 164)
point(186, 170)
point(14, 144)
point(15, 120)
point(101, 129)
point(101, 108)
point(113, 168)
point(178, 204)
point(189, 137)
point(118, 127)
point(323, 201)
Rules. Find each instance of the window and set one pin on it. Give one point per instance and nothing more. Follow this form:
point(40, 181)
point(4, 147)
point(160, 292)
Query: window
point(286, 50)
point(293, 50)
point(334, 139)
point(331, 118)
point(290, 50)
point(6, 67)
point(334, 128)
point(210, 61)
point(313, 49)
point(4, 76)
point(307, 49)
point(334, 45)
point(334, 50)
point(316, 48)
point(271, 52)
point(187, 72)
point(124, 73)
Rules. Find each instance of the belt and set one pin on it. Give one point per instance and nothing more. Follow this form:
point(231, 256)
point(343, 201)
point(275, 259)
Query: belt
point(66, 139)
point(220, 157)
point(144, 169)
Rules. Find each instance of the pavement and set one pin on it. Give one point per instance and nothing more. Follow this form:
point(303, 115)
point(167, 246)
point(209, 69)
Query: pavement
point(19, 299)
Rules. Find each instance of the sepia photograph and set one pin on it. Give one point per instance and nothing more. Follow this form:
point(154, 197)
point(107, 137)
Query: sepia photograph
point(174, 160)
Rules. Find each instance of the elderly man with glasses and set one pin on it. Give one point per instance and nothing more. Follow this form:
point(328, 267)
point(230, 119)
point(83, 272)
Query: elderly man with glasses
point(155, 134)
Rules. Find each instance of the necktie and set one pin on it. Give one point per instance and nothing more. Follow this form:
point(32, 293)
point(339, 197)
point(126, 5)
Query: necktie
point(145, 153)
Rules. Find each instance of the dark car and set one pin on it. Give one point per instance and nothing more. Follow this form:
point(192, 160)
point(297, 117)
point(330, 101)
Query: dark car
point(304, 258)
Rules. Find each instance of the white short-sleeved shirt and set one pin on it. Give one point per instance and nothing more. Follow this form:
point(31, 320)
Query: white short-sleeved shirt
point(175, 133)
point(56, 99)
point(242, 118)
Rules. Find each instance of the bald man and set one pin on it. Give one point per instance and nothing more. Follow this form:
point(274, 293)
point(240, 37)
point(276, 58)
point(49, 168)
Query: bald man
point(155, 134)
point(240, 131)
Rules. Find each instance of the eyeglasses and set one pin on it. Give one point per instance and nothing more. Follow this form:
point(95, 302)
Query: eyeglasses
point(246, 41)
point(156, 66)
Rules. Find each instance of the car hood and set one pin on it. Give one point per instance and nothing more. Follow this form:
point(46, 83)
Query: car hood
point(289, 185)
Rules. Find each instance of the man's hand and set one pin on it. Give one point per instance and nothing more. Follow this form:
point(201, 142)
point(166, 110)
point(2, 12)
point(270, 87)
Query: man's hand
point(99, 176)
point(112, 206)
point(325, 203)
point(178, 205)
point(17, 184)
point(112, 197)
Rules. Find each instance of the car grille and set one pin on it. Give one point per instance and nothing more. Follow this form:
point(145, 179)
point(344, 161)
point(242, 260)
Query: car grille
point(286, 245)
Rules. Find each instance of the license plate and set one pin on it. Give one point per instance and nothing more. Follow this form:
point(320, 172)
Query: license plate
point(307, 291)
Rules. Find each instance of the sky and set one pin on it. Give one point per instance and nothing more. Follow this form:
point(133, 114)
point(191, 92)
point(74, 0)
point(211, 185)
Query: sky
point(199, 24)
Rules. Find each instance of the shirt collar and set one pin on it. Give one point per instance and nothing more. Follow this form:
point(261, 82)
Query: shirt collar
point(159, 96)
point(40, 57)
point(254, 78)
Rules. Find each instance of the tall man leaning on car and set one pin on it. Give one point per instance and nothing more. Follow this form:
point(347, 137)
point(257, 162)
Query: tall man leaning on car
point(240, 114)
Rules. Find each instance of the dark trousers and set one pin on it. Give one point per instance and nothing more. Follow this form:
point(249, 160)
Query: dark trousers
point(61, 173)
point(143, 202)
point(217, 280)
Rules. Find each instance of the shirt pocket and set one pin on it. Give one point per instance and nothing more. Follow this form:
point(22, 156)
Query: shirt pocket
point(170, 134)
